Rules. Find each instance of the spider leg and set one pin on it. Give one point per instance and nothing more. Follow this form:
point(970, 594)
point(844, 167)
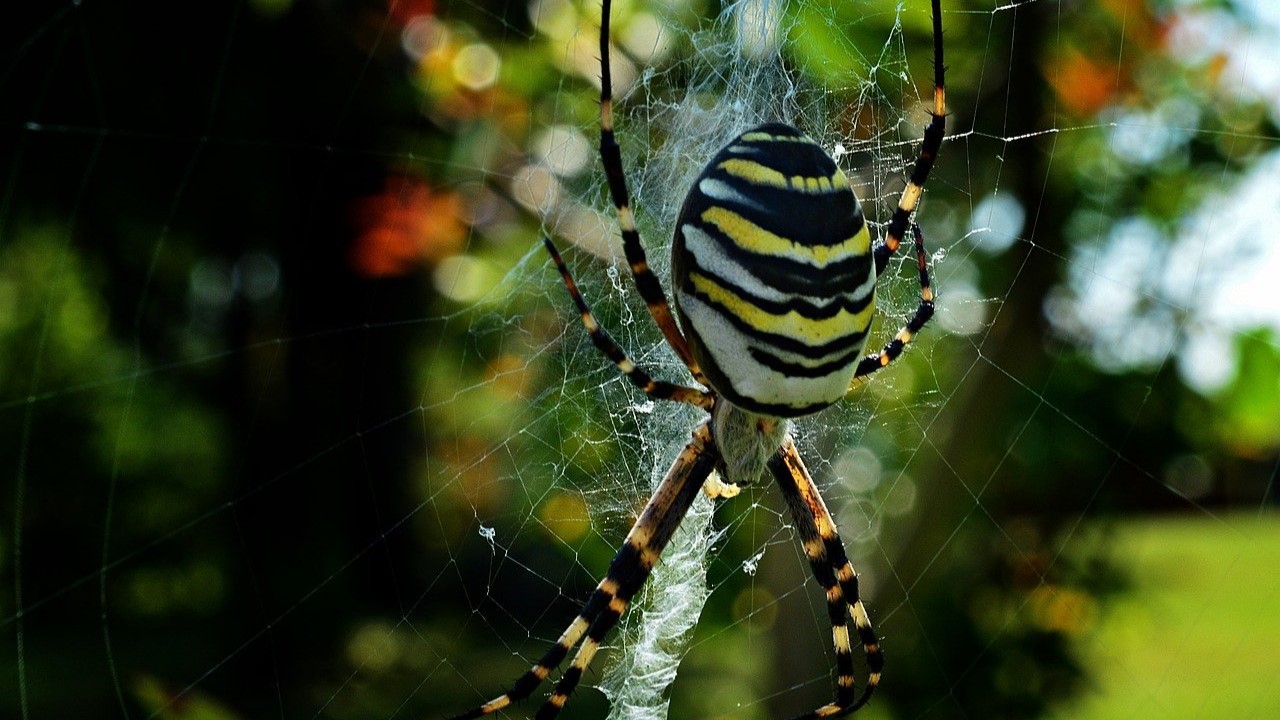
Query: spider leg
point(831, 568)
point(611, 157)
point(924, 311)
point(928, 151)
point(610, 349)
point(628, 571)
point(907, 204)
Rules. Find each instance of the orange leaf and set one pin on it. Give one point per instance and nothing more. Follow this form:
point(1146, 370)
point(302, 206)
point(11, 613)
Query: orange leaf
point(406, 226)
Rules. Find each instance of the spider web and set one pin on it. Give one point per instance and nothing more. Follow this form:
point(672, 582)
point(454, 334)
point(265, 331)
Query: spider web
point(300, 422)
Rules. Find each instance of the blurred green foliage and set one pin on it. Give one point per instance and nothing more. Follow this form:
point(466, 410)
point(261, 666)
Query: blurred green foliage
point(1209, 573)
point(299, 421)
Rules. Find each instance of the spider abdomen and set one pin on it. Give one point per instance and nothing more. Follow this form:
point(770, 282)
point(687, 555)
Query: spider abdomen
point(773, 273)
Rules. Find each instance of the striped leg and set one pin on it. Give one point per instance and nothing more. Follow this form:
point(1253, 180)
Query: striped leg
point(628, 571)
point(924, 311)
point(907, 204)
point(831, 568)
point(928, 151)
point(610, 349)
point(611, 156)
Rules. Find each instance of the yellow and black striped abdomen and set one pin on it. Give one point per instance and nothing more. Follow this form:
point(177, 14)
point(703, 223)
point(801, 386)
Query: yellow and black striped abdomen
point(773, 273)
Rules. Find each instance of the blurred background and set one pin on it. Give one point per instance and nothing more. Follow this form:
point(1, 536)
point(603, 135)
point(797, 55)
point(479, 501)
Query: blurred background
point(296, 419)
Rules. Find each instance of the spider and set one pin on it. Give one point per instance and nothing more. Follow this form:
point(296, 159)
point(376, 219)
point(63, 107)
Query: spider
point(774, 277)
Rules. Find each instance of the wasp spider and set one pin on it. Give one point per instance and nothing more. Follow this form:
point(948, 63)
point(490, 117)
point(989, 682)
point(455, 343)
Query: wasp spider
point(774, 275)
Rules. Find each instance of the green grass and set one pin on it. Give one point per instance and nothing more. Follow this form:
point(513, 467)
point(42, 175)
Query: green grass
point(1198, 635)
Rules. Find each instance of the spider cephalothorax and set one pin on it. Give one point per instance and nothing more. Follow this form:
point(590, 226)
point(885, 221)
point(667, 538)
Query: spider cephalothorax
point(774, 274)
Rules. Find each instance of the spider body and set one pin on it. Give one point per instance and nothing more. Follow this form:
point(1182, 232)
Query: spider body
point(774, 275)
point(745, 441)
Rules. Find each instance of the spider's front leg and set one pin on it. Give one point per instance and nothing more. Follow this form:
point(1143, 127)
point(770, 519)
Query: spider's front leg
point(934, 133)
point(832, 570)
point(628, 571)
point(924, 311)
